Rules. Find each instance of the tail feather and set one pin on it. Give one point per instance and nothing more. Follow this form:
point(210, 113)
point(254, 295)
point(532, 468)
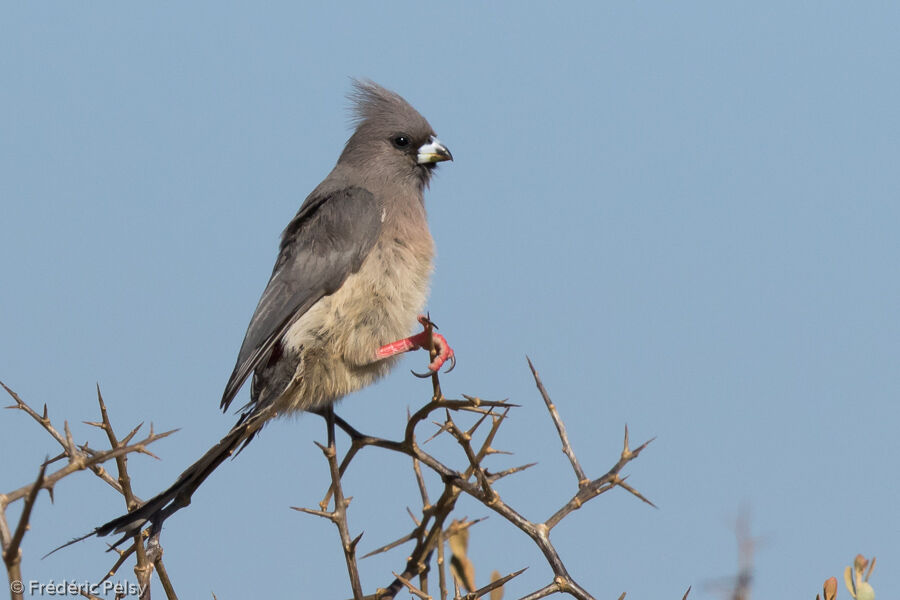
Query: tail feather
point(157, 509)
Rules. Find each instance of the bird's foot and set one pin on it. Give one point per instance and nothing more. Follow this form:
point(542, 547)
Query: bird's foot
point(444, 353)
point(443, 349)
point(421, 340)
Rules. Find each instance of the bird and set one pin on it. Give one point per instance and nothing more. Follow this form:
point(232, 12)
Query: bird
point(348, 286)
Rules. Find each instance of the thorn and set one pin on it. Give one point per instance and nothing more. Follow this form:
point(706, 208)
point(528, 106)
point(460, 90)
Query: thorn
point(640, 448)
point(127, 438)
point(496, 583)
point(148, 453)
point(59, 456)
point(476, 425)
point(356, 541)
point(318, 513)
point(70, 442)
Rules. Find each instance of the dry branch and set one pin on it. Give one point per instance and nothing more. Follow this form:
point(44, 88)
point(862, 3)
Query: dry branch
point(433, 527)
point(476, 481)
point(80, 458)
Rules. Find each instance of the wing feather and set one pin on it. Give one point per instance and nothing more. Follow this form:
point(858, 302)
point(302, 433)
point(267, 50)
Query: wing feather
point(324, 243)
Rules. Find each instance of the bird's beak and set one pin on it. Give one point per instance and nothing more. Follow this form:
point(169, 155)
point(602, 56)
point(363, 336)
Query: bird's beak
point(432, 152)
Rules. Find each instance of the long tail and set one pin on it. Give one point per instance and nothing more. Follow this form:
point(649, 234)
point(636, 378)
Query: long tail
point(159, 508)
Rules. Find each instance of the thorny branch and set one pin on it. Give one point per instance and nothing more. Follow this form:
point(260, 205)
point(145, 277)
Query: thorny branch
point(474, 479)
point(560, 427)
point(147, 558)
point(433, 528)
point(339, 515)
point(12, 552)
point(79, 458)
point(431, 531)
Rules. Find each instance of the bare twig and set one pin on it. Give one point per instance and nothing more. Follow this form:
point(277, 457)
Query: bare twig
point(441, 560)
point(497, 583)
point(474, 439)
point(746, 549)
point(563, 436)
point(83, 457)
point(12, 552)
point(43, 420)
point(475, 481)
point(602, 484)
point(143, 568)
point(412, 589)
point(339, 515)
point(545, 591)
point(81, 462)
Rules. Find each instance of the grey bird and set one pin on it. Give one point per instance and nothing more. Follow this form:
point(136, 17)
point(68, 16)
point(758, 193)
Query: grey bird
point(350, 279)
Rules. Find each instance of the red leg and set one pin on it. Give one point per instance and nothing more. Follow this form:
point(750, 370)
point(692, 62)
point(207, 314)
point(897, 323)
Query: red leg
point(414, 342)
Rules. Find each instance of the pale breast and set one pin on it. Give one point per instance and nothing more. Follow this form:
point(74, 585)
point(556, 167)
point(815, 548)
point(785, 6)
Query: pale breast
point(379, 304)
point(338, 337)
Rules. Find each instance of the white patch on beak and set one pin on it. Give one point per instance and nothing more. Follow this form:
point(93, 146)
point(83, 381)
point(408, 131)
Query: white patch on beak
point(433, 151)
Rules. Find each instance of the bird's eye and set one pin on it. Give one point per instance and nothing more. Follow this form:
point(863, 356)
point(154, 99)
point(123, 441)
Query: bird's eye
point(400, 141)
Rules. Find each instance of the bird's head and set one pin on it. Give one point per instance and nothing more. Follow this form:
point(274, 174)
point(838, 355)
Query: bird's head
point(392, 140)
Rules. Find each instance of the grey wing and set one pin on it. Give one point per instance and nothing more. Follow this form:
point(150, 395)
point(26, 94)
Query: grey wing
point(324, 243)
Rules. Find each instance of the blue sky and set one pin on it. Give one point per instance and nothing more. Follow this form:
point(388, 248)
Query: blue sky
point(685, 213)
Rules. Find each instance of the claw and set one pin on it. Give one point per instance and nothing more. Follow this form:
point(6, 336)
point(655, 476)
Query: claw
point(443, 354)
